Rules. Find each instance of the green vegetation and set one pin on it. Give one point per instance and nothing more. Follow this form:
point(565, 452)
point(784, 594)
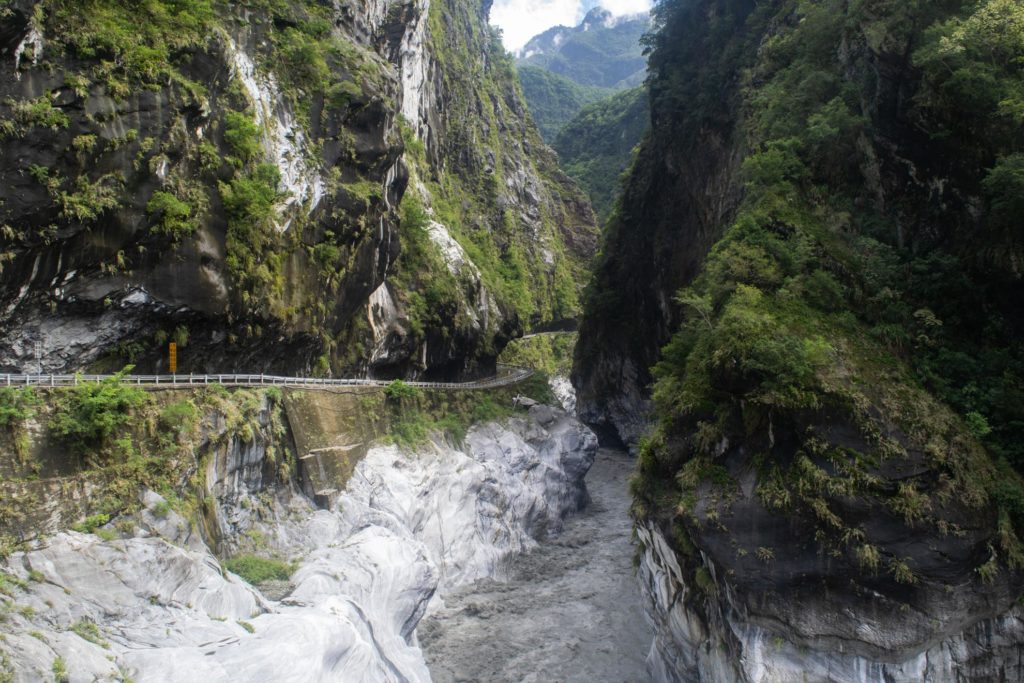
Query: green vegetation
point(593, 54)
point(250, 202)
point(180, 418)
point(538, 388)
point(8, 582)
point(105, 50)
point(24, 115)
point(125, 445)
point(131, 44)
point(550, 353)
point(470, 197)
point(106, 54)
point(60, 670)
point(520, 283)
point(568, 69)
point(84, 143)
point(311, 58)
point(432, 292)
point(398, 390)
point(16, 405)
point(243, 137)
point(90, 524)
point(426, 414)
point(6, 669)
point(597, 146)
point(256, 570)
point(92, 413)
point(173, 216)
point(819, 302)
point(90, 200)
point(87, 630)
point(554, 100)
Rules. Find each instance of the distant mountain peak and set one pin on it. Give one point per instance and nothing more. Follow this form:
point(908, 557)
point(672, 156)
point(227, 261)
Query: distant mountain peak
point(600, 17)
point(597, 15)
point(602, 50)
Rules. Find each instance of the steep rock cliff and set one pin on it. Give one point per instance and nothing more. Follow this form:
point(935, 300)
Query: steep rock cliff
point(230, 178)
point(681, 192)
point(500, 237)
point(817, 227)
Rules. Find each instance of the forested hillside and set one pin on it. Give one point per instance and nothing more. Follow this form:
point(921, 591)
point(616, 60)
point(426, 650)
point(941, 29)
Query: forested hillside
point(603, 50)
point(554, 99)
point(597, 145)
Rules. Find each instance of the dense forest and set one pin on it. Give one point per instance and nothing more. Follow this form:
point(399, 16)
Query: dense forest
point(831, 289)
point(554, 99)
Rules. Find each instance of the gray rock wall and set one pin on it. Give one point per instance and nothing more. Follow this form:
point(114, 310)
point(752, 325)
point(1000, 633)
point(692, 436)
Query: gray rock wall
point(705, 633)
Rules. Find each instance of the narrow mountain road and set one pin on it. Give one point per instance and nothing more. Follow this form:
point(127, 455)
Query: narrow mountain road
point(507, 374)
point(570, 611)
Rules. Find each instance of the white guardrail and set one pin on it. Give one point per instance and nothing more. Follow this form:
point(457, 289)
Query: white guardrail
point(507, 374)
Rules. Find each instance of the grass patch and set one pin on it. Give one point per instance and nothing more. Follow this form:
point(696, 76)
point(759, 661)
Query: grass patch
point(60, 670)
point(87, 630)
point(91, 523)
point(256, 569)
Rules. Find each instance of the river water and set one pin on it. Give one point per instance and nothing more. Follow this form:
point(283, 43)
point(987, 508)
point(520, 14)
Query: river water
point(569, 611)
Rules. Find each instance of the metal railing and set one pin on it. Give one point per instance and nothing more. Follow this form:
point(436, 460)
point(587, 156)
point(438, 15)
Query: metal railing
point(507, 374)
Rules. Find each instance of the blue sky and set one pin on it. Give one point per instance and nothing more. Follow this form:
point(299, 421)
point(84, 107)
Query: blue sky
point(521, 20)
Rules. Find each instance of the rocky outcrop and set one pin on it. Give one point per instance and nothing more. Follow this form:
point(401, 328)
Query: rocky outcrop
point(485, 178)
point(675, 183)
point(708, 633)
point(156, 605)
point(92, 266)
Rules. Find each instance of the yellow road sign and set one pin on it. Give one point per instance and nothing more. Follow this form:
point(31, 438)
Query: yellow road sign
point(172, 356)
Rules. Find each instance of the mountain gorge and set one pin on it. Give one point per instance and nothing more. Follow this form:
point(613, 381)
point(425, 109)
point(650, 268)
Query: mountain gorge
point(765, 425)
point(211, 178)
point(806, 321)
point(297, 188)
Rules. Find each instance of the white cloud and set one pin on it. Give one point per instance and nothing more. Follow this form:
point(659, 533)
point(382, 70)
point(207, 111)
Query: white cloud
point(621, 7)
point(520, 20)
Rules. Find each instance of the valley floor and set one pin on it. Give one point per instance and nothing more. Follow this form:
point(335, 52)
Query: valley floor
point(570, 610)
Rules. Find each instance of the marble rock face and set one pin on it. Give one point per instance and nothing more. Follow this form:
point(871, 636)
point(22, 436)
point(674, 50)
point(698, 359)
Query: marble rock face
point(157, 606)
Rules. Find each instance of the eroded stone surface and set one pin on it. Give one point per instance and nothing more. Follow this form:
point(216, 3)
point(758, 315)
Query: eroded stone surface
point(720, 643)
point(409, 524)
